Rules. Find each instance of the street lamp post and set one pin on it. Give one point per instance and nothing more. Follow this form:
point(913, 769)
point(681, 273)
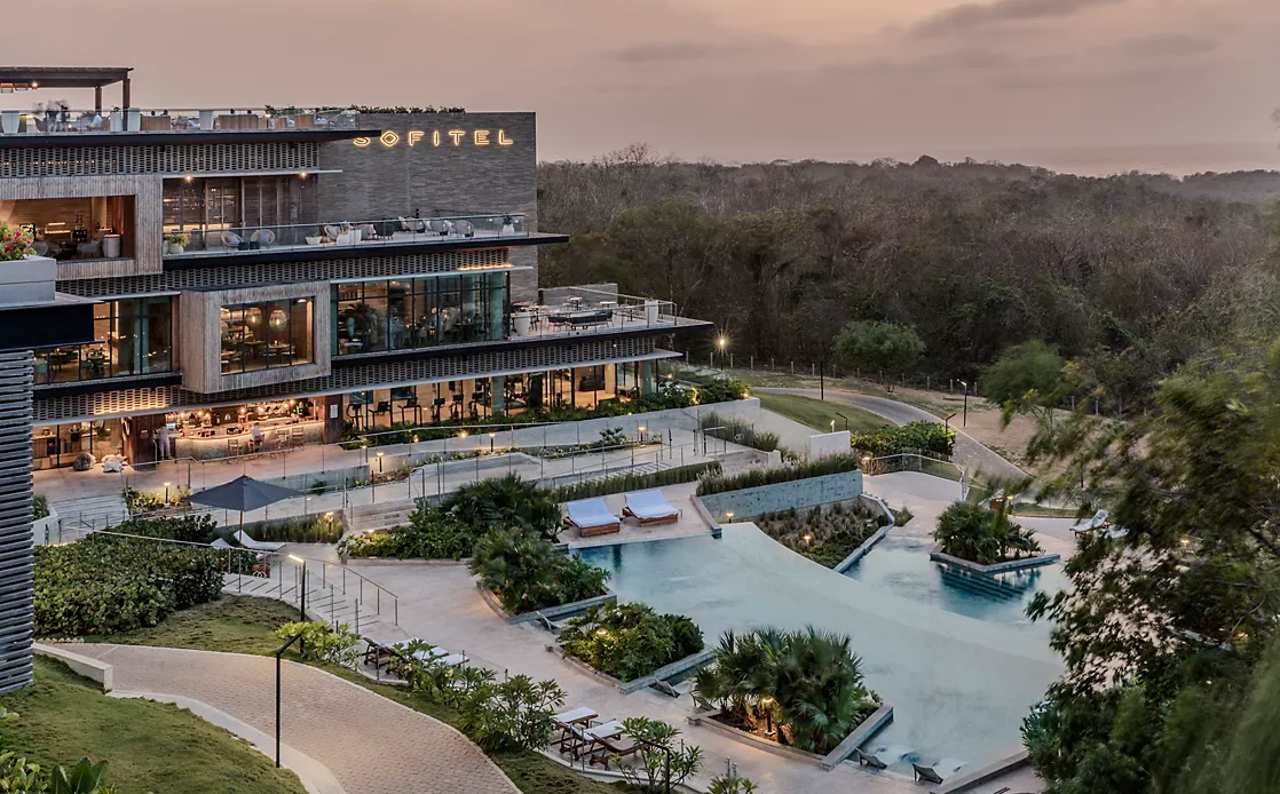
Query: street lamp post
point(302, 593)
point(964, 419)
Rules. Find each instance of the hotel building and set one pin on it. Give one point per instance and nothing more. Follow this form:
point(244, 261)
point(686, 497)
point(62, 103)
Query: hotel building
point(305, 270)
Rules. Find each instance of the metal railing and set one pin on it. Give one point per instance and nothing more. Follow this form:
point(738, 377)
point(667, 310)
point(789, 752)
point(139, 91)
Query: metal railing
point(333, 576)
point(584, 309)
point(56, 120)
point(346, 233)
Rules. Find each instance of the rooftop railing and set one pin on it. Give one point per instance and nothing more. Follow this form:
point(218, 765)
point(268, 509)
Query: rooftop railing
point(575, 310)
point(383, 231)
point(69, 121)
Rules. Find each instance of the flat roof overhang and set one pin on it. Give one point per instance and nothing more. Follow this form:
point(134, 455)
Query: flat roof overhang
point(64, 76)
point(312, 253)
point(144, 138)
point(65, 321)
point(441, 351)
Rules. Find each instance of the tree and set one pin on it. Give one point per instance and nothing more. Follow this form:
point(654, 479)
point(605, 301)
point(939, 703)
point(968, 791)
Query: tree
point(1029, 374)
point(878, 347)
point(1165, 630)
point(979, 534)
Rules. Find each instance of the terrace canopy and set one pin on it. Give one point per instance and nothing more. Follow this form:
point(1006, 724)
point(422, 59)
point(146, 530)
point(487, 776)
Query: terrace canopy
point(30, 78)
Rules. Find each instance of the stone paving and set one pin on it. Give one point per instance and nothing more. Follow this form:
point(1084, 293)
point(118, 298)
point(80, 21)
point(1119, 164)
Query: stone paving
point(369, 744)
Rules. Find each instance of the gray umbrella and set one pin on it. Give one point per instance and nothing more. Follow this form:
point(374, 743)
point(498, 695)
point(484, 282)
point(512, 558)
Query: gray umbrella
point(243, 493)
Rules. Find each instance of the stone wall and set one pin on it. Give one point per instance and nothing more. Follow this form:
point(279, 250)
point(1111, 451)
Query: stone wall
point(808, 492)
point(412, 168)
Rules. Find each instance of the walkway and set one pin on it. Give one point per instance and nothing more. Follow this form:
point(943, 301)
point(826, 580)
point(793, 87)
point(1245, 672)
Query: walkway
point(969, 452)
point(361, 742)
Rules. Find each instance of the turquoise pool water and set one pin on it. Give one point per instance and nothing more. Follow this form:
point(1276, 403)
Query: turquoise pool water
point(959, 667)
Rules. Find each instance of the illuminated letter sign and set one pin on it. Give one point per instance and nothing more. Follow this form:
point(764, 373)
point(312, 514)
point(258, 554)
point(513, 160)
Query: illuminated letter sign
point(435, 137)
point(457, 136)
point(503, 140)
point(480, 137)
point(389, 138)
point(415, 136)
point(361, 142)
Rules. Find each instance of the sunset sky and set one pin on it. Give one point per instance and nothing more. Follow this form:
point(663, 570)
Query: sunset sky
point(1179, 84)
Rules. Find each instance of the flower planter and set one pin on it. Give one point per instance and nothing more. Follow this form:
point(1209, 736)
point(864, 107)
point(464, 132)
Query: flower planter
point(1008, 566)
point(9, 120)
point(28, 280)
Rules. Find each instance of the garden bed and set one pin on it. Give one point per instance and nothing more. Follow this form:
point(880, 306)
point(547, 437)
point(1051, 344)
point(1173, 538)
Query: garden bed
point(628, 642)
point(1005, 566)
point(826, 534)
point(720, 722)
point(550, 613)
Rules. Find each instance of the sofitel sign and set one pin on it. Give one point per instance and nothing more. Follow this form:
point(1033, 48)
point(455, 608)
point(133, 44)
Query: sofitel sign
point(436, 138)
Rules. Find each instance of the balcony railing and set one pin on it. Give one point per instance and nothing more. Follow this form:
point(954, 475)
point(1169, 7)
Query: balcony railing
point(62, 120)
point(344, 234)
point(570, 311)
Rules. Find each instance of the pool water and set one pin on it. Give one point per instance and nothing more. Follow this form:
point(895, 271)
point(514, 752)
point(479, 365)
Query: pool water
point(960, 667)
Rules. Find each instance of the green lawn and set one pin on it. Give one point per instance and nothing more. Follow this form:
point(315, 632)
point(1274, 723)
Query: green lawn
point(151, 747)
point(245, 624)
point(819, 414)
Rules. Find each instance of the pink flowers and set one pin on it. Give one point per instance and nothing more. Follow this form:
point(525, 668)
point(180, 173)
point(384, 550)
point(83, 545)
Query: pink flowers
point(14, 242)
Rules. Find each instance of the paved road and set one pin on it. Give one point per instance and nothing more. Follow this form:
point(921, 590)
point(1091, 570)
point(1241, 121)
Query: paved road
point(341, 737)
point(970, 452)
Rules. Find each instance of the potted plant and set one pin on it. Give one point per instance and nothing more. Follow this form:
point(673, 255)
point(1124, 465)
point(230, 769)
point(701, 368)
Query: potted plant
point(175, 243)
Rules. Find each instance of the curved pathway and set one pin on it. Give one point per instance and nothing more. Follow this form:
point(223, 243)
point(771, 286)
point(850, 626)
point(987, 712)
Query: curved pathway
point(970, 453)
point(340, 737)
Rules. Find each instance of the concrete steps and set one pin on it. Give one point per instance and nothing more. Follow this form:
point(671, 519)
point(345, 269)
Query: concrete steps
point(89, 512)
point(380, 516)
point(325, 603)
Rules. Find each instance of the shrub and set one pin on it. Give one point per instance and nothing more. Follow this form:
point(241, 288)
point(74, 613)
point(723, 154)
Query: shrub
point(754, 478)
point(978, 534)
point(189, 528)
point(663, 764)
point(634, 482)
point(527, 574)
point(731, 783)
point(878, 346)
point(322, 643)
point(825, 536)
point(450, 531)
point(39, 507)
point(137, 502)
point(722, 390)
point(628, 641)
point(107, 585)
point(924, 437)
point(511, 715)
point(326, 528)
point(806, 683)
point(739, 432)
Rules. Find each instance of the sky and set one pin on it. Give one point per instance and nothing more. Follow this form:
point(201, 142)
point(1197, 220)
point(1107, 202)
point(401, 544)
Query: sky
point(1091, 86)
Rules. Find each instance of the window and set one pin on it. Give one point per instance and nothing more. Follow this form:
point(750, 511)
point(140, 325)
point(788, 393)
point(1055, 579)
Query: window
point(404, 314)
point(131, 337)
point(266, 335)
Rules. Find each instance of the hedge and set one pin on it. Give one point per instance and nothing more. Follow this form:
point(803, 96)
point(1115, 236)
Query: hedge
point(754, 478)
point(929, 438)
point(105, 584)
point(635, 482)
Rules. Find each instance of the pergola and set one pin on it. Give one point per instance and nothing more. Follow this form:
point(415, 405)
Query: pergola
point(26, 78)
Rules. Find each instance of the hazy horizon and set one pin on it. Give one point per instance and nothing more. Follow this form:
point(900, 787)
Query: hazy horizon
point(1086, 86)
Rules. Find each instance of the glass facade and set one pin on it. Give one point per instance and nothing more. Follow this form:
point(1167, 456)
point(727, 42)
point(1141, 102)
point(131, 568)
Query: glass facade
point(376, 316)
point(267, 335)
point(131, 337)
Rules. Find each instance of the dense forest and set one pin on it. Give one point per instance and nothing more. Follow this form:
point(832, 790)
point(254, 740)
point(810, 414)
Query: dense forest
point(1130, 275)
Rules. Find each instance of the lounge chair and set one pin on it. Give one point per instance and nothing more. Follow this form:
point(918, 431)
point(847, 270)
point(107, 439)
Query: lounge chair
point(219, 543)
point(650, 507)
point(870, 760)
point(591, 517)
point(247, 542)
point(567, 721)
point(702, 704)
point(611, 748)
point(925, 774)
point(1099, 520)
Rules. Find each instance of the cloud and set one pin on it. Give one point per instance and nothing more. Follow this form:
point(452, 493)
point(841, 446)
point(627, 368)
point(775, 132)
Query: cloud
point(1170, 44)
point(669, 51)
point(970, 16)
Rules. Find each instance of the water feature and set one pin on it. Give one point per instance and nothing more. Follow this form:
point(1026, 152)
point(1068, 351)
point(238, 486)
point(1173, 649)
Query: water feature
point(959, 667)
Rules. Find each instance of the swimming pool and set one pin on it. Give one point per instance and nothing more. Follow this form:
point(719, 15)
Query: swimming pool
point(960, 683)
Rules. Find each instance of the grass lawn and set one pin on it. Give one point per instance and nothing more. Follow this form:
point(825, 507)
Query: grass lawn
point(245, 624)
point(150, 747)
point(818, 414)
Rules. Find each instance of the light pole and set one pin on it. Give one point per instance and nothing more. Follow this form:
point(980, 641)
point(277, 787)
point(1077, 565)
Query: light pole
point(302, 592)
point(964, 419)
point(722, 342)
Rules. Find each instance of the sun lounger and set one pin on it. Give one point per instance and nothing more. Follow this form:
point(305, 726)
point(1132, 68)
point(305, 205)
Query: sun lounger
point(247, 542)
point(650, 507)
point(569, 721)
point(219, 543)
point(925, 774)
point(591, 517)
point(1099, 520)
point(870, 760)
point(611, 748)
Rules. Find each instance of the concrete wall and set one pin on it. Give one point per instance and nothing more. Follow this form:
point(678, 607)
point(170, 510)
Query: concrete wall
point(388, 177)
point(809, 492)
point(824, 445)
point(201, 351)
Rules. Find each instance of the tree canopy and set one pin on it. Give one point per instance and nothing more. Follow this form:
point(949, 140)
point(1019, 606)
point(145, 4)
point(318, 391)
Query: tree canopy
point(876, 347)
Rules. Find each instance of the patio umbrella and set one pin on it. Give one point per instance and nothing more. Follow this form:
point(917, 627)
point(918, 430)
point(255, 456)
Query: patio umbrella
point(243, 493)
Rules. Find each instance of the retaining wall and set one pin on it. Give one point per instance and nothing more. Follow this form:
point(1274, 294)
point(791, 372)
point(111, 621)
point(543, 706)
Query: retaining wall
point(763, 499)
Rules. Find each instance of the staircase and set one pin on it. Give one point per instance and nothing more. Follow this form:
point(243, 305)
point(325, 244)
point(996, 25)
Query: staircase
point(335, 601)
point(363, 518)
point(89, 512)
